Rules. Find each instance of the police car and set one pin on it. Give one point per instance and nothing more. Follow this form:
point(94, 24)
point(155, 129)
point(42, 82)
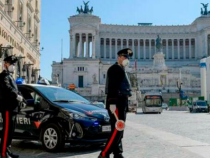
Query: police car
point(56, 116)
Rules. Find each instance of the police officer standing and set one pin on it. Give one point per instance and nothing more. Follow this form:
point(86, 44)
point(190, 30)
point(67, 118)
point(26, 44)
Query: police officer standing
point(118, 90)
point(9, 105)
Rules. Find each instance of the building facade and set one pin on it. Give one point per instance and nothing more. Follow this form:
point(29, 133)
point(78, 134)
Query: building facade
point(94, 47)
point(20, 36)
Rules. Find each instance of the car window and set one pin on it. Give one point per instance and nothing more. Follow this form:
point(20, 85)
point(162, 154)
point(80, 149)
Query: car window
point(26, 93)
point(201, 103)
point(37, 99)
point(153, 101)
point(57, 93)
point(30, 96)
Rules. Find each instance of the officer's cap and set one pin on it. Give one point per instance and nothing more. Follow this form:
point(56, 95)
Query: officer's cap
point(127, 52)
point(11, 59)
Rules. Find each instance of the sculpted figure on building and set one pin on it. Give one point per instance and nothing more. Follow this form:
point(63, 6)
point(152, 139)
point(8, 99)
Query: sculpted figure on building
point(205, 7)
point(86, 9)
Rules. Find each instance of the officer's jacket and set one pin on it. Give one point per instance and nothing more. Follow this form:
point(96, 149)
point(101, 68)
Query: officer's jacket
point(117, 82)
point(8, 92)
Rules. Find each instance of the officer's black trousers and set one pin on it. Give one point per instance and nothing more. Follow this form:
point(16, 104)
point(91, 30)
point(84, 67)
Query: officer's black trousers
point(9, 123)
point(114, 142)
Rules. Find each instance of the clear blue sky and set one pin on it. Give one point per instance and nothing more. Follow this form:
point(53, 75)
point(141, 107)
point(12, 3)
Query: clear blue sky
point(55, 25)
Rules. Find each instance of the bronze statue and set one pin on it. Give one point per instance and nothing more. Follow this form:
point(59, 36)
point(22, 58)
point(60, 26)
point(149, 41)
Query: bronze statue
point(86, 9)
point(78, 10)
point(91, 10)
point(201, 11)
point(159, 43)
point(205, 6)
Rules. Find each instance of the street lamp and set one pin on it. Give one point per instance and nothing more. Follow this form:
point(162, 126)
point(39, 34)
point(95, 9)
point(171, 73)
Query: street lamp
point(41, 49)
point(29, 34)
point(3, 50)
point(20, 22)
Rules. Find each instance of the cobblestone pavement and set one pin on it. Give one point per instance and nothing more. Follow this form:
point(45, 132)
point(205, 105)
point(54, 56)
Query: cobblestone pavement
point(172, 134)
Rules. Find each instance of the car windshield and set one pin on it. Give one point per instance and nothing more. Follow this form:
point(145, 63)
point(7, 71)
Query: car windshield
point(153, 102)
point(57, 94)
point(201, 103)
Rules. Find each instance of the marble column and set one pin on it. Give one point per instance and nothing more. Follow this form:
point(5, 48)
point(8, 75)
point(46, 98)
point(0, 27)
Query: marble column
point(83, 51)
point(150, 50)
point(184, 46)
point(155, 47)
point(80, 44)
point(178, 44)
point(195, 47)
point(127, 42)
point(190, 49)
point(172, 48)
point(121, 43)
point(167, 53)
point(205, 45)
point(133, 49)
point(93, 47)
point(116, 48)
point(110, 48)
point(72, 44)
point(77, 47)
point(139, 48)
point(144, 48)
point(87, 46)
point(104, 48)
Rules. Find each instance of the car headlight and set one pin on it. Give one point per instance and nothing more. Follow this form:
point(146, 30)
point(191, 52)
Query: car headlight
point(77, 115)
point(74, 114)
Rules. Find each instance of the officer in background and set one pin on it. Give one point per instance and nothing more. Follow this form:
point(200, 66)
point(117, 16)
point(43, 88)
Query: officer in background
point(10, 100)
point(118, 90)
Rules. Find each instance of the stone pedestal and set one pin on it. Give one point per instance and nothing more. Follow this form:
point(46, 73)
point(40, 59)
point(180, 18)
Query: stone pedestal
point(159, 61)
point(95, 89)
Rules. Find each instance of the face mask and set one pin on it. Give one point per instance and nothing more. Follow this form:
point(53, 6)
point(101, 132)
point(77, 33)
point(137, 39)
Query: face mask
point(11, 68)
point(125, 62)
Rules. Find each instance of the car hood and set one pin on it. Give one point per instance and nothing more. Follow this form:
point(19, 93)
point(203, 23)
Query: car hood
point(87, 109)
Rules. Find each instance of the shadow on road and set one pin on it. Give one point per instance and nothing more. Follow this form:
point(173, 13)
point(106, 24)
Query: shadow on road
point(35, 149)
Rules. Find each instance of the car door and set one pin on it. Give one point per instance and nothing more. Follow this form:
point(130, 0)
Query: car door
point(28, 119)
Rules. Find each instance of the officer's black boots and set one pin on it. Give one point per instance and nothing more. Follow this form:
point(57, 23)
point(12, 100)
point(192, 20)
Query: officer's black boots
point(11, 154)
point(118, 156)
point(6, 156)
point(102, 157)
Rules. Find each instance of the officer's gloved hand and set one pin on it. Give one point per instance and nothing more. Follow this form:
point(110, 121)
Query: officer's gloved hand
point(19, 98)
point(22, 105)
point(112, 108)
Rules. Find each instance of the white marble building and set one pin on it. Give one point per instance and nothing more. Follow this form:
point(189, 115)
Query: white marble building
point(94, 47)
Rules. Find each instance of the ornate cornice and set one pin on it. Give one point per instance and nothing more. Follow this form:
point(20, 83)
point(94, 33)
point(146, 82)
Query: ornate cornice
point(147, 29)
point(147, 36)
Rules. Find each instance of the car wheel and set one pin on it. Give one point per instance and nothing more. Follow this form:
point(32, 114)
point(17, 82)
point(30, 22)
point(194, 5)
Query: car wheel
point(52, 137)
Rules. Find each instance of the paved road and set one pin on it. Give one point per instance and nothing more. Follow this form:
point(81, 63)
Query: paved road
point(172, 134)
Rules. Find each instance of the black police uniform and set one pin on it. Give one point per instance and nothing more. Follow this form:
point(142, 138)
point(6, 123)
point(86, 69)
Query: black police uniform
point(8, 108)
point(118, 90)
